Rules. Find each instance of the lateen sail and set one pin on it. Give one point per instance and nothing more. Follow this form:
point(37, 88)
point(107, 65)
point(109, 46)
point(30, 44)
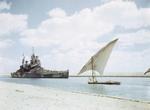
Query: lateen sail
point(147, 71)
point(100, 59)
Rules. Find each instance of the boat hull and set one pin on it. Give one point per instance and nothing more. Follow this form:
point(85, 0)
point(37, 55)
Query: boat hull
point(107, 83)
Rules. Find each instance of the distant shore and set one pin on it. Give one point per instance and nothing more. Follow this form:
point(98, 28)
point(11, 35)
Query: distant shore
point(107, 76)
point(145, 76)
point(28, 97)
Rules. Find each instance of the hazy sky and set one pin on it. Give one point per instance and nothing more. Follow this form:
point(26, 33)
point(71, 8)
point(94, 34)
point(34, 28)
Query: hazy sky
point(65, 33)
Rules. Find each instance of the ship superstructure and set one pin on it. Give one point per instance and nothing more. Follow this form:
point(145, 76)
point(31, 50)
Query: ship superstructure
point(33, 69)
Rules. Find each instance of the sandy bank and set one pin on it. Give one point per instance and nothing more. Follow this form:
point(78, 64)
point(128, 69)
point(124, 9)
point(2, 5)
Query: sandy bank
point(27, 97)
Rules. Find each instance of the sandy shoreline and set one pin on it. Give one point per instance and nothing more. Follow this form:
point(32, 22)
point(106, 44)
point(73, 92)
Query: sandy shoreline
point(26, 97)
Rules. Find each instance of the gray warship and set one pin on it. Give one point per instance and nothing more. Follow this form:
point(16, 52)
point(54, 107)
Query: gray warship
point(33, 69)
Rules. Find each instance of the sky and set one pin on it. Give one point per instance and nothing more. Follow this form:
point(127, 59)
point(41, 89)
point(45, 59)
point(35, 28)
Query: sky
point(66, 33)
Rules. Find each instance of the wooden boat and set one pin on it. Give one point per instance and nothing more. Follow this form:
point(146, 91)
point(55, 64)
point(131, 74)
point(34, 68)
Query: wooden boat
point(106, 82)
point(97, 63)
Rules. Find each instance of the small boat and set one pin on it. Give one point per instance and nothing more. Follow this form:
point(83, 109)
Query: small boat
point(105, 82)
point(97, 63)
point(93, 80)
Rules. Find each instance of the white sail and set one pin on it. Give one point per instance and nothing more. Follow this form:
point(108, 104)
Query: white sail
point(148, 71)
point(99, 60)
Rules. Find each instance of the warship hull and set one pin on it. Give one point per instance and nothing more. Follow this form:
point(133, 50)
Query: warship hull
point(50, 74)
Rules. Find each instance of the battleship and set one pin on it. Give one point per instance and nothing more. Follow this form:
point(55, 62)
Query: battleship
point(33, 69)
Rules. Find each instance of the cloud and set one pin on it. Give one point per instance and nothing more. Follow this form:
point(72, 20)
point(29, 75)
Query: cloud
point(129, 61)
point(4, 5)
point(123, 61)
point(72, 39)
point(11, 23)
point(140, 37)
point(6, 43)
point(87, 24)
point(125, 14)
point(57, 12)
point(57, 30)
point(7, 65)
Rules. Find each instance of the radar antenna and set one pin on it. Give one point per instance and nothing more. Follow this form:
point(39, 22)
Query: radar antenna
point(23, 60)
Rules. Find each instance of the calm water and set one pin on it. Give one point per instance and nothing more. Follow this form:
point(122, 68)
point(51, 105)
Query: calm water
point(131, 87)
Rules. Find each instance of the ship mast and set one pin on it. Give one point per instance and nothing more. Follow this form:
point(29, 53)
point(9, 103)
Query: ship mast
point(92, 62)
point(33, 50)
point(23, 59)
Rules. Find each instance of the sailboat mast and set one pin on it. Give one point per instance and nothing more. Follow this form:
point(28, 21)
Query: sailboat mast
point(92, 68)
